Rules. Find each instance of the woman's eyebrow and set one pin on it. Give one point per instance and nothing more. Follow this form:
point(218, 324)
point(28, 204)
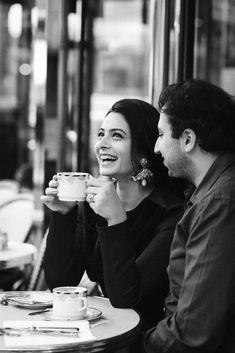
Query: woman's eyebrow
point(117, 129)
point(114, 129)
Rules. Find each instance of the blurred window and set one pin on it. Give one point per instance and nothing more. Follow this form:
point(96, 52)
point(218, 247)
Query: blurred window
point(121, 58)
point(215, 42)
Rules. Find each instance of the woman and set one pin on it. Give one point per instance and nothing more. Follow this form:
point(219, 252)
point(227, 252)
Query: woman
point(122, 235)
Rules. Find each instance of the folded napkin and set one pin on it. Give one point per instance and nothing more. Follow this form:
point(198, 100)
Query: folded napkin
point(32, 338)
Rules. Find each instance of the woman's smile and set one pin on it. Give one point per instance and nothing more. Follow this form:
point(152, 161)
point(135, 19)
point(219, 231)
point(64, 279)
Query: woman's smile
point(107, 159)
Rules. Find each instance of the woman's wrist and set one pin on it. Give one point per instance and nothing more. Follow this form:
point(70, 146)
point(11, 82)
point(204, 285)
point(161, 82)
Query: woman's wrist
point(117, 219)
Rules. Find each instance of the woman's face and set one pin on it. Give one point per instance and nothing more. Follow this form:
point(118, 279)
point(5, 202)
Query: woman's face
point(113, 148)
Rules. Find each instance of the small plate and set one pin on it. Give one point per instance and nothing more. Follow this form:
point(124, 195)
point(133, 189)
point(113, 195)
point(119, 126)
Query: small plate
point(92, 314)
point(28, 300)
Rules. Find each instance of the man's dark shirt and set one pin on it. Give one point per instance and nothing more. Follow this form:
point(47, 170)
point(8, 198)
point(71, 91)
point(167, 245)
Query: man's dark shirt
point(200, 309)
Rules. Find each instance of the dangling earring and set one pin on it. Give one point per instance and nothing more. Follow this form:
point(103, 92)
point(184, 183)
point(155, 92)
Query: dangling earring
point(145, 174)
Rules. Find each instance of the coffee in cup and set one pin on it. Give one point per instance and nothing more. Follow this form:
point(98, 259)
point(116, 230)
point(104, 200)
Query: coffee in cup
point(70, 302)
point(72, 186)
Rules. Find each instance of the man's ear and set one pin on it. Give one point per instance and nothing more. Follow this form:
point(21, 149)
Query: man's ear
point(188, 139)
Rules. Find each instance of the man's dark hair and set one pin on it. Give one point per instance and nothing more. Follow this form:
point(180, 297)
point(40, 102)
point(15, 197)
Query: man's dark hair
point(203, 107)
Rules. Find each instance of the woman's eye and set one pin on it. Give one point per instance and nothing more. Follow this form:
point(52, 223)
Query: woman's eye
point(117, 135)
point(100, 134)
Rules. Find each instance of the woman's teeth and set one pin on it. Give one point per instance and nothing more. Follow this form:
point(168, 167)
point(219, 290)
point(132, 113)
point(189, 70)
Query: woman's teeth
point(108, 158)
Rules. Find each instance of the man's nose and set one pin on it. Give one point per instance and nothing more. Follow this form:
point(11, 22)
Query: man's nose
point(156, 147)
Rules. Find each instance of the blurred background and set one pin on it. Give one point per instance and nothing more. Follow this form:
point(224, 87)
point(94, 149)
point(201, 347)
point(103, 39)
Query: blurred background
point(63, 63)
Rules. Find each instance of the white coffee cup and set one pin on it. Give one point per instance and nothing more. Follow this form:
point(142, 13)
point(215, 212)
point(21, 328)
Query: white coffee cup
point(70, 302)
point(72, 186)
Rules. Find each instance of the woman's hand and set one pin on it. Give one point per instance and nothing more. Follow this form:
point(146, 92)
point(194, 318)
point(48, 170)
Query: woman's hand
point(51, 200)
point(103, 199)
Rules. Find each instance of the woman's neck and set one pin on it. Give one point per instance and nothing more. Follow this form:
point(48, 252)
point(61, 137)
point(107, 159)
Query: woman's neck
point(131, 193)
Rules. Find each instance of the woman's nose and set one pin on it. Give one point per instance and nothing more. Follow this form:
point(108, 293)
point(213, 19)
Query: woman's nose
point(104, 142)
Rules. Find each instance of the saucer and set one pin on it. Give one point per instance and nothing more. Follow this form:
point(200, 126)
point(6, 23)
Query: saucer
point(92, 314)
point(27, 299)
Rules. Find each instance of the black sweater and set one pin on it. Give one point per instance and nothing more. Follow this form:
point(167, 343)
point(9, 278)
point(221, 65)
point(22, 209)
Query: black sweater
point(128, 260)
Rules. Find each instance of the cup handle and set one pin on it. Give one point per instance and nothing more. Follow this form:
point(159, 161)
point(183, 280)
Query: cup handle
point(84, 304)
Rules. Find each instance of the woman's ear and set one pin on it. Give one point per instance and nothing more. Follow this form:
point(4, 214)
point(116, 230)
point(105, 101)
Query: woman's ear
point(188, 139)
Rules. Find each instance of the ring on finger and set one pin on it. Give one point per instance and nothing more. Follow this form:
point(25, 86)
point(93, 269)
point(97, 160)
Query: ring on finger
point(90, 198)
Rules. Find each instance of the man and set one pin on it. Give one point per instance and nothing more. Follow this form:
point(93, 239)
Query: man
point(197, 142)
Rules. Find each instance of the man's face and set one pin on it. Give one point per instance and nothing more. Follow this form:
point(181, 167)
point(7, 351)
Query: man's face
point(171, 149)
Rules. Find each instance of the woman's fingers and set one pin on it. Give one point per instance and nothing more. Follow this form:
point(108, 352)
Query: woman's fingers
point(93, 182)
point(50, 195)
point(53, 183)
point(51, 191)
point(105, 178)
point(45, 198)
point(93, 190)
point(51, 200)
point(99, 181)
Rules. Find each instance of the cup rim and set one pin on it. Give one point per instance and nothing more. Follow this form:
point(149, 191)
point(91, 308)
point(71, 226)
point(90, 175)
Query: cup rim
point(73, 173)
point(70, 289)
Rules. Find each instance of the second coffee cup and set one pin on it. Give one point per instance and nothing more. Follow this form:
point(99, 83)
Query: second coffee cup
point(70, 302)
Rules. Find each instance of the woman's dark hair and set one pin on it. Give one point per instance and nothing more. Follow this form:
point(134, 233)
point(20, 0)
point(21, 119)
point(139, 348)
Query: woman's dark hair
point(142, 119)
point(203, 107)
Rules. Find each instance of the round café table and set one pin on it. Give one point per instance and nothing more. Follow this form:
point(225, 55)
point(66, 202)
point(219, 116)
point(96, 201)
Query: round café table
point(116, 330)
point(17, 254)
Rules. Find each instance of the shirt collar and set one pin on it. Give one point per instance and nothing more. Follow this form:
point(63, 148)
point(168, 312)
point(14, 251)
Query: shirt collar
point(221, 163)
